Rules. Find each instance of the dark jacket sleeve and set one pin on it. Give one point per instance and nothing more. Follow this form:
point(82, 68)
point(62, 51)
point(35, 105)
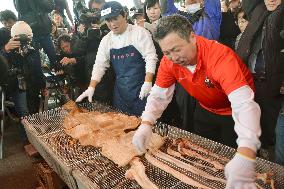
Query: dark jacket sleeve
point(46, 5)
point(249, 5)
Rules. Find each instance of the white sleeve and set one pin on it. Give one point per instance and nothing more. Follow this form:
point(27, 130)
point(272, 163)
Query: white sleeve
point(157, 102)
point(246, 114)
point(145, 46)
point(102, 60)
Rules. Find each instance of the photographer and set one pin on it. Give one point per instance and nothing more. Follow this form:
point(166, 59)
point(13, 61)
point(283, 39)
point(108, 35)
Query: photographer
point(86, 41)
point(71, 63)
point(23, 74)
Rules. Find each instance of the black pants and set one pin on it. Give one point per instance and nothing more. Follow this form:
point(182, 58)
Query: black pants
point(219, 128)
point(270, 108)
point(33, 100)
point(186, 107)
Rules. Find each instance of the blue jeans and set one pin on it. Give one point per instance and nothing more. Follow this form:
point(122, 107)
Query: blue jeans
point(279, 146)
point(46, 43)
point(20, 100)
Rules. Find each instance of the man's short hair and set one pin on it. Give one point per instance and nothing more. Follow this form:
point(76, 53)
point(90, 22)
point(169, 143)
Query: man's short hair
point(6, 15)
point(64, 38)
point(95, 1)
point(173, 24)
point(54, 12)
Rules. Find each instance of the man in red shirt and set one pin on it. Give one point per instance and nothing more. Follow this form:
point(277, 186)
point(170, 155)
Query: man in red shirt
point(223, 86)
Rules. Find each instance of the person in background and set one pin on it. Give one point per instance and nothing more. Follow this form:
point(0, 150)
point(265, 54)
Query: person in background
point(86, 42)
point(58, 26)
point(54, 32)
point(242, 23)
point(224, 6)
point(57, 19)
point(229, 29)
point(131, 52)
point(152, 14)
point(261, 48)
point(205, 15)
point(223, 87)
point(234, 6)
point(60, 6)
point(138, 17)
point(78, 7)
point(24, 72)
point(96, 4)
point(73, 64)
point(36, 14)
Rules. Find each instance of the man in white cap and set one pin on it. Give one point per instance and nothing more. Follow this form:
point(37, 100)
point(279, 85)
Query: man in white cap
point(132, 54)
point(28, 74)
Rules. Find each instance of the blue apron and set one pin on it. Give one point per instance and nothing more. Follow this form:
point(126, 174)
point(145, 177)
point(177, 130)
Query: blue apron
point(129, 67)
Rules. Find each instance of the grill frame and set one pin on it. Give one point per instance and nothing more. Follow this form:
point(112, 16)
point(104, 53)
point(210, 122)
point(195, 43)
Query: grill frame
point(87, 161)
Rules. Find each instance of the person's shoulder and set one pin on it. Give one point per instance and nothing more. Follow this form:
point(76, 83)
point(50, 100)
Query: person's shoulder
point(4, 31)
point(107, 37)
point(138, 29)
point(4, 36)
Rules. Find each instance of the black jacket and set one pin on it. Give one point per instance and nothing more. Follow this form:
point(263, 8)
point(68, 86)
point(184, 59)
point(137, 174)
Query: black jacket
point(229, 30)
point(35, 13)
point(29, 65)
point(271, 23)
point(88, 46)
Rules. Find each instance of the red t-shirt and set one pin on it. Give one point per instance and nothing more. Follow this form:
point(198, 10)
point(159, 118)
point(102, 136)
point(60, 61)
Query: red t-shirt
point(219, 71)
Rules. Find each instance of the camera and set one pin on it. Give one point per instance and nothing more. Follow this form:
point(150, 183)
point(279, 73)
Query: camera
point(90, 16)
point(25, 41)
point(18, 73)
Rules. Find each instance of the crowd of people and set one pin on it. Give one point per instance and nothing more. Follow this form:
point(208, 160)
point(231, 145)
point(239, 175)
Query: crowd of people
point(211, 67)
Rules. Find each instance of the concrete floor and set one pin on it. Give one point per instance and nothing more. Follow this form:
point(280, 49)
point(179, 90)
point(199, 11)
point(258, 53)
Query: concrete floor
point(16, 170)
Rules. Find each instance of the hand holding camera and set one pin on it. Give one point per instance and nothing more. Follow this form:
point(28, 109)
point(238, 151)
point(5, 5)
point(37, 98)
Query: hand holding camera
point(65, 61)
point(13, 43)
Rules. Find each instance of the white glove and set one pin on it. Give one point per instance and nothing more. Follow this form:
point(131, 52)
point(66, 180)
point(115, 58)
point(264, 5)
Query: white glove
point(145, 90)
point(240, 173)
point(87, 93)
point(142, 137)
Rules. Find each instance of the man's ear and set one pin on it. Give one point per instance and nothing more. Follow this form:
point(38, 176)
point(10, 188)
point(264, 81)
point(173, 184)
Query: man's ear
point(192, 38)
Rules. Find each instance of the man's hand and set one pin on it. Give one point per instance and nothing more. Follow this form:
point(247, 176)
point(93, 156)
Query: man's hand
point(12, 44)
point(66, 61)
point(141, 138)
point(240, 172)
point(87, 93)
point(145, 90)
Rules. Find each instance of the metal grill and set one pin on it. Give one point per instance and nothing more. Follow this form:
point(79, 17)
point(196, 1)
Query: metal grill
point(47, 126)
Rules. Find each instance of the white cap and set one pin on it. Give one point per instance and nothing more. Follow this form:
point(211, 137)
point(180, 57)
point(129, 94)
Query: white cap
point(21, 27)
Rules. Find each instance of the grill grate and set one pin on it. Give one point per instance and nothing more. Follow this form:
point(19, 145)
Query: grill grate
point(47, 126)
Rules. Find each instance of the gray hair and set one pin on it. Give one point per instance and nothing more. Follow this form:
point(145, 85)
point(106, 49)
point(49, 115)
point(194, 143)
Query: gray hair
point(173, 24)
